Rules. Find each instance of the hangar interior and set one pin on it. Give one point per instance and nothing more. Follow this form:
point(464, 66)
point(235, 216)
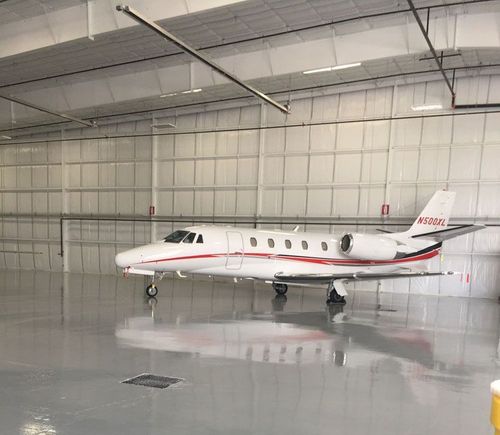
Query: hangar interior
point(112, 137)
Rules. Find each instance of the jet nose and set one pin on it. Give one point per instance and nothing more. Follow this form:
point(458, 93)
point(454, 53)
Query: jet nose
point(123, 259)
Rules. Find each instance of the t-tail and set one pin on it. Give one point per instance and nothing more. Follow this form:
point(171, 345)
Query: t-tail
point(432, 223)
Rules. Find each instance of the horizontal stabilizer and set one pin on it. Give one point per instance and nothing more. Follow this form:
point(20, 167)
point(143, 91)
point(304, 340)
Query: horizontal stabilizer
point(324, 278)
point(449, 232)
point(380, 230)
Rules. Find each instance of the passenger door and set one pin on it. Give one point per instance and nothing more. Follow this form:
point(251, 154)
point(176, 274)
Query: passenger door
point(234, 256)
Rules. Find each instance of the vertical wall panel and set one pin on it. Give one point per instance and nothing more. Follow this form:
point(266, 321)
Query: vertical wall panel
point(225, 202)
point(347, 168)
point(319, 202)
point(204, 203)
point(246, 201)
point(321, 169)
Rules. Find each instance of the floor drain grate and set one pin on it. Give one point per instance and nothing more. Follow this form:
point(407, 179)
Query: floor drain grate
point(154, 381)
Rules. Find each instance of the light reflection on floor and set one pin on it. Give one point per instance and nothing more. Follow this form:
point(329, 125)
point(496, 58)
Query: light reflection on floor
point(252, 362)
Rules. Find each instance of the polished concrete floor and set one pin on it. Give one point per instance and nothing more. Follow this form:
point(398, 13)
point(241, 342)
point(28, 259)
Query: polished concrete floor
point(250, 363)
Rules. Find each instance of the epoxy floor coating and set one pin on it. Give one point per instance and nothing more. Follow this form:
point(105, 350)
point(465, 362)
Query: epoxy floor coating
point(250, 363)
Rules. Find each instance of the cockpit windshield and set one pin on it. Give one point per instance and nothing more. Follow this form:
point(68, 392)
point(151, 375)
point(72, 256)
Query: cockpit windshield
point(189, 238)
point(176, 236)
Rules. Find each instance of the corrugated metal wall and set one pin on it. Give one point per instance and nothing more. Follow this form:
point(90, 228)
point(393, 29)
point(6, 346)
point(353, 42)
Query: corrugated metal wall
point(342, 162)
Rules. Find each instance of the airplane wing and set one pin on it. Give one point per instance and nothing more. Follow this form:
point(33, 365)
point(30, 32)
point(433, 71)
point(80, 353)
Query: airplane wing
point(324, 278)
point(448, 233)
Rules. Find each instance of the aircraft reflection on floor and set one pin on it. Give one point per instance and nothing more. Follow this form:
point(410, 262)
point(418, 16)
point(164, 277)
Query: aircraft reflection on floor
point(330, 336)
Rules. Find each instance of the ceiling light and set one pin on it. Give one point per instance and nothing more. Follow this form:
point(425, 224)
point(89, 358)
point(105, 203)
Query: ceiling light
point(347, 65)
point(166, 125)
point(5, 137)
point(191, 91)
point(314, 71)
point(427, 107)
point(168, 95)
point(332, 68)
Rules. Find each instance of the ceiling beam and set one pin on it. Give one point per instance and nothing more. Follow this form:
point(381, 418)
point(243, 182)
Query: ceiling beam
point(196, 54)
point(45, 110)
point(432, 49)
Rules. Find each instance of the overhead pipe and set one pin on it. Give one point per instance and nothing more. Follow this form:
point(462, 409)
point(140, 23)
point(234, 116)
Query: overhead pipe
point(198, 55)
point(255, 128)
point(230, 99)
point(45, 110)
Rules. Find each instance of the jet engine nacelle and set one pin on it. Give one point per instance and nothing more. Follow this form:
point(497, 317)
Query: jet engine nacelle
point(368, 246)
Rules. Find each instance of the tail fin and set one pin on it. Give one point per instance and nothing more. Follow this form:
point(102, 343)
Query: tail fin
point(435, 215)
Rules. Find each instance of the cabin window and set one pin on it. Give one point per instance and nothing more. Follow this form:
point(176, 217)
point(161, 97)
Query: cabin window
point(324, 246)
point(270, 242)
point(176, 236)
point(200, 239)
point(304, 245)
point(189, 238)
point(288, 244)
point(253, 241)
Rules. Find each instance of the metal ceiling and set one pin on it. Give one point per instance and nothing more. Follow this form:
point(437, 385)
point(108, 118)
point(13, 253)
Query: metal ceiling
point(240, 28)
point(220, 29)
point(12, 11)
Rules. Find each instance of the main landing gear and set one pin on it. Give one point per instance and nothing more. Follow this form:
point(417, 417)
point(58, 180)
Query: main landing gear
point(333, 297)
point(280, 288)
point(151, 289)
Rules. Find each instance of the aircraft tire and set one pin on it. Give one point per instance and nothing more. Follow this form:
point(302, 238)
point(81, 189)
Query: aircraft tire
point(280, 288)
point(151, 290)
point(335, 299)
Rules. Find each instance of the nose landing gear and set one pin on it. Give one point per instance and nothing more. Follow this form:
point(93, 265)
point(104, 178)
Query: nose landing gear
point(151, 289)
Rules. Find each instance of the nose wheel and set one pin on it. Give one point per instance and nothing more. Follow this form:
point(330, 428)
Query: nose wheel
point(280, 288)
point(151, 290)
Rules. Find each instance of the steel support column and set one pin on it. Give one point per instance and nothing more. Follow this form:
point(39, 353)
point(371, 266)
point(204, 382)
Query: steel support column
point(432, 49)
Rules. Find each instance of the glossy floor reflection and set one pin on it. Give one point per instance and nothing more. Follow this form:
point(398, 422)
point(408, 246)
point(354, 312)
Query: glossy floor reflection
point(252, 363)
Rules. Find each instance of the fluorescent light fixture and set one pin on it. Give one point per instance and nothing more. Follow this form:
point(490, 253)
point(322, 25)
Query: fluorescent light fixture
point(162, 126)
point(332, 68)
point(168, 95)
point(191, 91)
point(5, 137)
point(427, 107)
point(319, 70)
point(347, 65)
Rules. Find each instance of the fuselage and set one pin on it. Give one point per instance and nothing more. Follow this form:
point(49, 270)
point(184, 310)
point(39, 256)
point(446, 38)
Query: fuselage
point(254, 253)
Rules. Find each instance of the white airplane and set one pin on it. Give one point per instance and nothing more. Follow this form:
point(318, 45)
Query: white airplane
point(291, 257)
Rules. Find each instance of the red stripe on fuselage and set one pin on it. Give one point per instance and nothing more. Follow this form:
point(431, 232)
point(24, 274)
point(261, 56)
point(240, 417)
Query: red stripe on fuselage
point(315, 260)
point(189, 257)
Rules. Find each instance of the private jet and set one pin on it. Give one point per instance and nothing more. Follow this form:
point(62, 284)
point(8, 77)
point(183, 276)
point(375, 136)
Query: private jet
point(285, 258)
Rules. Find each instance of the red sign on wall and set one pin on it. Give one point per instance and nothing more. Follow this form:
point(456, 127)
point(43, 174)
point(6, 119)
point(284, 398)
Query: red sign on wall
point(385, 209)
point(151, 210)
